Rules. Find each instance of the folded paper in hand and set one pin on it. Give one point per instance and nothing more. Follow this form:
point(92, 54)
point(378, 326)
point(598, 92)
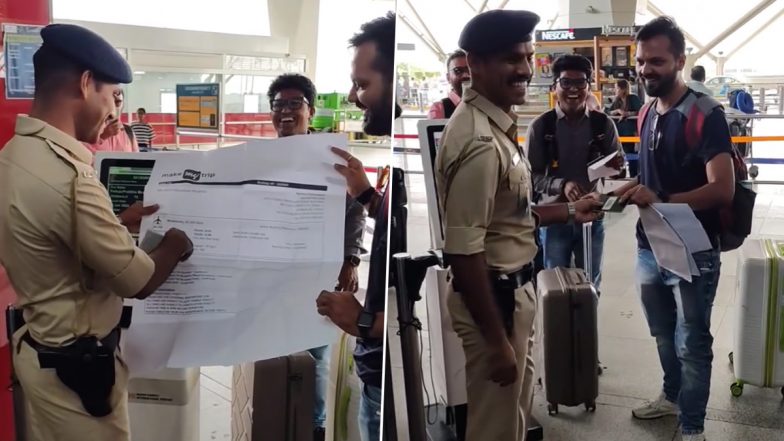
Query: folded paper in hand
point(598, 169)
point(675, 234)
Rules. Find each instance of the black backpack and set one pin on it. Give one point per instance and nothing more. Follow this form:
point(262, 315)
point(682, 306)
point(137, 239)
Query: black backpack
point(449, 107)
point(598, 121)
point(598, 127)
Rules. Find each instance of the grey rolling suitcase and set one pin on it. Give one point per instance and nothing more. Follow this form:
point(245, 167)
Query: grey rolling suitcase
point(273, 399)
point(570, 304)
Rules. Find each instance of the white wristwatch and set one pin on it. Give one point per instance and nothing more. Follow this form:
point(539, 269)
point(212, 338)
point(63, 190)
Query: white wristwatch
point(572, 211)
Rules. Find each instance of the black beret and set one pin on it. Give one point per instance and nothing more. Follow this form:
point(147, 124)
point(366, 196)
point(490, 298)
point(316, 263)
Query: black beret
point(497, 30)
point(87, 49)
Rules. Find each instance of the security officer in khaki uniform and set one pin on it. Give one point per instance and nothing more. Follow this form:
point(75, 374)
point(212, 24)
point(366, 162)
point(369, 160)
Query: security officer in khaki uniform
point(69, 259)
point(484, 184)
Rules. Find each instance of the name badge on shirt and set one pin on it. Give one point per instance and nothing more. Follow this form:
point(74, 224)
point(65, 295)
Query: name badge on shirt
point(516, 159)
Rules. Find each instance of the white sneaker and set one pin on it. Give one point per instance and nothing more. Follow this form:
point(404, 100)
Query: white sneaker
point(657, 409)
point(697, 437)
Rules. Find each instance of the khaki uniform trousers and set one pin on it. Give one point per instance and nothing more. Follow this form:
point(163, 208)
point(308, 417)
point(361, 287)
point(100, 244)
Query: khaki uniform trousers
point(497, 413)
point(55, 413)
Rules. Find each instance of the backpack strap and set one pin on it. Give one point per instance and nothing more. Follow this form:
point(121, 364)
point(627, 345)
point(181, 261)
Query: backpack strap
point(598, 122)
point(641, 115)
point(449, 107)
point(697, 109)
point(129, 132)
point(549, 119)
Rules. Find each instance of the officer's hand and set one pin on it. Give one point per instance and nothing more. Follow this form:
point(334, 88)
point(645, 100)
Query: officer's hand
point(587, 210)
point(595, 195)
point(573, 191)
point(348, 280)
point(113, 127)
point(342, 308)
point(131, 218)
point(181, 242)
point(356, 178)
point(640, 196)
point(503, 364)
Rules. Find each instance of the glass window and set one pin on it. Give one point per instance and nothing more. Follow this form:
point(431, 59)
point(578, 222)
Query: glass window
point(168, 102)
point(149, 88)
point(243, 90)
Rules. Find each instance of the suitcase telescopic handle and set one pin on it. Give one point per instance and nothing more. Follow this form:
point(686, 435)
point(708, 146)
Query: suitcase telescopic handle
point(588, 250)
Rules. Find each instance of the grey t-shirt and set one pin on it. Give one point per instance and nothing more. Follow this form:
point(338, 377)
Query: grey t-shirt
point(573, 139)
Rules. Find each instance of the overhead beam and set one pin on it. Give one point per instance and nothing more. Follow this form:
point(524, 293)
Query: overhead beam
point(659, 13)
point(483, 7)
point(441, 56)
point(427, 30)
point(503, 4)
point(735, 26)
point(470, 5)
point(755, 34)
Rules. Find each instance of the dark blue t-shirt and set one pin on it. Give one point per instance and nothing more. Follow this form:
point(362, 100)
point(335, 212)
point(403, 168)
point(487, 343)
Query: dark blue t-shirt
point(667, 164)
point(369, 353)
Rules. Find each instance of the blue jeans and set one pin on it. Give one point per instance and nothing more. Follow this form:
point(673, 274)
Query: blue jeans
point(321, 355)
point(561, 242)
point(370, 413)
point(678, 314)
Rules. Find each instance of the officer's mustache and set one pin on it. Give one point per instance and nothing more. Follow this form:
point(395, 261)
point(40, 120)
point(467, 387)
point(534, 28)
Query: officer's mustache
point(520, 79)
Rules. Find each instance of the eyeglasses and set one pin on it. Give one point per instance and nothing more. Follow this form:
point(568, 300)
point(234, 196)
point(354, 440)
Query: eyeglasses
point(457, 71)
point(292, 104)
point(568, 83)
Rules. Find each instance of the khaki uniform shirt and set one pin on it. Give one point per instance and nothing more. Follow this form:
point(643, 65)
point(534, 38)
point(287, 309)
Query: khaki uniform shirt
point(67, 256)
point(484, 186)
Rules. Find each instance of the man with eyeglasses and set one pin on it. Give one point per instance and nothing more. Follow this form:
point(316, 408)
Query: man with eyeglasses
point(116, 136)
point(291, 100)
point(678, 311)
point(560, 145)
point(456, 74)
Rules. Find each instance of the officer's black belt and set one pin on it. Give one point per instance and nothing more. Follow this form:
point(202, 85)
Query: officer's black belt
point(110, 342)
point(512, 281)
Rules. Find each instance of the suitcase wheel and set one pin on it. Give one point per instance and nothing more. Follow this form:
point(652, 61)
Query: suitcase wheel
point(590, 407)
point(732, 358)
point(552, 409)
point(737, 389)
point(753, 171)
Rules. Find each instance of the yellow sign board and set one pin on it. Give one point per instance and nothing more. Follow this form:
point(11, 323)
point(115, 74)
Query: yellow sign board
point(198, 107)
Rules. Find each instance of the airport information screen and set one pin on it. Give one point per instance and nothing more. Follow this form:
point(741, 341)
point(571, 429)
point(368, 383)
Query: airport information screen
point(126, 184)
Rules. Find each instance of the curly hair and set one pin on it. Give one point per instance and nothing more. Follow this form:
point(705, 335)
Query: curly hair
point(296, 82)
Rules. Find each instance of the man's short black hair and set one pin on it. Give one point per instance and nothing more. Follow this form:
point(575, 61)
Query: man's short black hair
point(141, 110)
point(664, 26)
point(698, 74)
point(455, 55)
point(293, 81)
point(572, 62)
point(382, 32)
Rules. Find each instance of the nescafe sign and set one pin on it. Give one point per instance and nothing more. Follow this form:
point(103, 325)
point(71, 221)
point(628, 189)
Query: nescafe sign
point(558, 35)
